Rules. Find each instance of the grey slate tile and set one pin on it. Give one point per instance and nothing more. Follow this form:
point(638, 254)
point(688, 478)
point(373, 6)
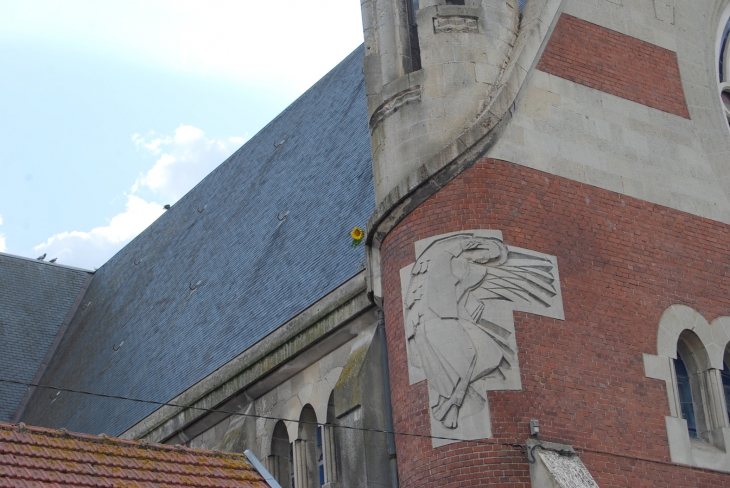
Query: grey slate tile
point(35, 298)
point(147, 334)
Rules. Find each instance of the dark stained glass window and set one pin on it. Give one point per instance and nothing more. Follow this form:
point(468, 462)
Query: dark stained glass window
point(685, 395)
point(320, 456)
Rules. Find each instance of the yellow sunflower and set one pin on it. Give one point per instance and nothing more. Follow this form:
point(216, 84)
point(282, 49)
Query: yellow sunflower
point(357, 235)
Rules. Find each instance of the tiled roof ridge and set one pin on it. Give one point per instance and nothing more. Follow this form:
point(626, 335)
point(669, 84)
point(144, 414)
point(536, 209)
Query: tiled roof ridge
point(39, 455)
point(48, 263)
point(22, 428)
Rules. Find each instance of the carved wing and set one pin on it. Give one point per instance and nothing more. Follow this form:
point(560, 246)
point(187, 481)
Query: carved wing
point(522, 278)
point(414, 299)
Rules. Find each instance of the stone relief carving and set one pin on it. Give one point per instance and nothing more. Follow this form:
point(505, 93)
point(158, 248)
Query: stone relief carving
point(456, 23)
point(459, 298)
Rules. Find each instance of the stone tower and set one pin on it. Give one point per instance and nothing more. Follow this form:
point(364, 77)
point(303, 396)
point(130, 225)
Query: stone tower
point(531, 161)
point(431, 69)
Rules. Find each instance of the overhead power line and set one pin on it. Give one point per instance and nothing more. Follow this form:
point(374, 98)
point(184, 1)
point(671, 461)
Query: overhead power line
point(240, 414)
point(515, 445)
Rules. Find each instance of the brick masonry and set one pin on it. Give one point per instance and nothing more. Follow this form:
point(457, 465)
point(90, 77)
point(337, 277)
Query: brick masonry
point(622, 262)
point(615, 63)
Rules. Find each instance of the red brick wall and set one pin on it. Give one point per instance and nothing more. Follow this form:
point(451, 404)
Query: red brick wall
point(622, 262)
point(615, 63)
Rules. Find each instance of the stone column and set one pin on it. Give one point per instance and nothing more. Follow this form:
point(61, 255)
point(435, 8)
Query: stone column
point(714, 400)
point(330, 453)
point(271, 465)
point(300, 464)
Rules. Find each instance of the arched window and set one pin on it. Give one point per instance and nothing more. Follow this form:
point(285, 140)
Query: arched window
point(684, 390)
point(691, 367)
point(279, 463)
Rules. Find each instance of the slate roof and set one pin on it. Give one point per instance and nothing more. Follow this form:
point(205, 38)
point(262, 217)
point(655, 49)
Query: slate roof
point(262, 237)
point(35, 298)
point(31, 456)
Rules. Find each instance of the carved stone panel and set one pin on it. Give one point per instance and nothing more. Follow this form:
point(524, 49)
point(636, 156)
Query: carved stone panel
point(458, 303)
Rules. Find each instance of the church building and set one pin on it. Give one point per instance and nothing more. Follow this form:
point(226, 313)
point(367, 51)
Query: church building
point(541, 297)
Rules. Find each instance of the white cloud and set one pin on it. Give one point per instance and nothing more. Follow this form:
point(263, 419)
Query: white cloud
point(284, 43)
point(183, 159)
point(3, 247)
point(92, 249)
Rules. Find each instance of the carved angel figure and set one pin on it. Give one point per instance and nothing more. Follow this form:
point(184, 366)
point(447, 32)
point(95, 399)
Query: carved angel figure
point(452, 281)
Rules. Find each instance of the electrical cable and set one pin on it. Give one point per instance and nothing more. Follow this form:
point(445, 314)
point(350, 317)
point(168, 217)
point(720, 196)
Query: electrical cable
point(240, 414)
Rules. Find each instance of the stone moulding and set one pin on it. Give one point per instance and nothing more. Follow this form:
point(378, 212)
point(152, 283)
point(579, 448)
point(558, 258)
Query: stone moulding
point(456, 23)
point(392, 105)
point(538, 21)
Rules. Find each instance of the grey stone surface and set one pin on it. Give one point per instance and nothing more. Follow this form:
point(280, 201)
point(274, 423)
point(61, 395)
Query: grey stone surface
point(354, 458)
point(35, 298)
point(458, 303)
point(580, 133)
point(555, 467)
point(464, 51)
point(250, 271)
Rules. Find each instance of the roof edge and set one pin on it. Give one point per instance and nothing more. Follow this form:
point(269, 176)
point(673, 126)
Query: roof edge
point(52, 350)
point(64, 266)
point(105, 439)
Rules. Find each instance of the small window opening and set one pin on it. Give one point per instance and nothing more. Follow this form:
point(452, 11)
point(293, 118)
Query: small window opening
point(454, 2)
point(320, 456)
point(291, 463)
point(415, 48)
point(685, 396)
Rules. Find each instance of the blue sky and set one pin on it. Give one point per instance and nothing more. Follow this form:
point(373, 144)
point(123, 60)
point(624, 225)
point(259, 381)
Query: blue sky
point(109, 110)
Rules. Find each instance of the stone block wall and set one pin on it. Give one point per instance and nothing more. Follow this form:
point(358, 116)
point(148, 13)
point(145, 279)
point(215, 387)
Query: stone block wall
point(604, 59)
point(608, 109)
point(623, 262)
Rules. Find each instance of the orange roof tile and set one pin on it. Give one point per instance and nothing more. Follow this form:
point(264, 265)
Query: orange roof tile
point(38, 457)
